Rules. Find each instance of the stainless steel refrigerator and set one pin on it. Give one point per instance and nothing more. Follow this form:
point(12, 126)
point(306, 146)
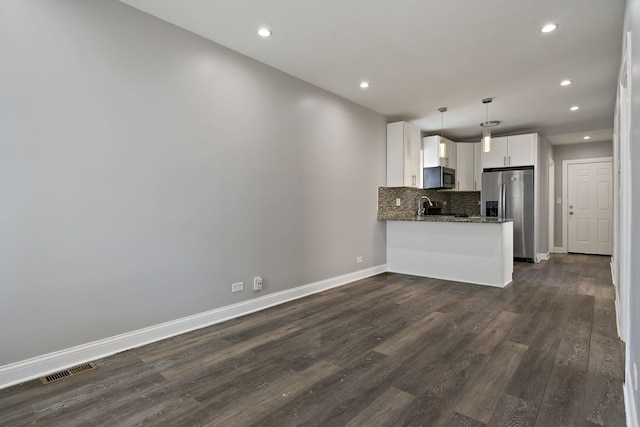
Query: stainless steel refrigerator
point(508, 194)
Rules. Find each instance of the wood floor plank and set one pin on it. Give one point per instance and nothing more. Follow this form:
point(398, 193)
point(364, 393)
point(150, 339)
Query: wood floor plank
point(384, 410)
point(565, 392)
point(494, 333)
point(266, 400)
point(436, 397)
point(410, 334)
point(513, 412)
point(480, 397)
point(587, 286)
point(201, 363)
point(391, 349)
point(604, 403)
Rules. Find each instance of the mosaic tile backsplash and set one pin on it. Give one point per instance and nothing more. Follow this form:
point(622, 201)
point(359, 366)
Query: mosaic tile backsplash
point(453, 202)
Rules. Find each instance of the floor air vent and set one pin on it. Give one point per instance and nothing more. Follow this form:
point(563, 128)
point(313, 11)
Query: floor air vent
point(68, 373)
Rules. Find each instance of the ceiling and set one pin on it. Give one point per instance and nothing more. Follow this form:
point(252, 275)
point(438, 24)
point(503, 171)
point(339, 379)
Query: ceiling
point(420, 55)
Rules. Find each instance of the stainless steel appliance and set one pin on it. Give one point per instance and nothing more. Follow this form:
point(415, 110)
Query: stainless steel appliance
point(438, 177)
point(508, 194)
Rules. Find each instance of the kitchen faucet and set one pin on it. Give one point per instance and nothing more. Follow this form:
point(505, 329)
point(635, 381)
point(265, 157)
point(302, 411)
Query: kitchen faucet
point(420, 208)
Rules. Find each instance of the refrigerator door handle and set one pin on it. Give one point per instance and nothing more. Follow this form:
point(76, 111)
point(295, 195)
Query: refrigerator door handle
point(503, 201)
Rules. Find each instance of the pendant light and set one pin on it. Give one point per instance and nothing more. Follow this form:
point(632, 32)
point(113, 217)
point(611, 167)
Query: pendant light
point(443, 145)
point(486, 135)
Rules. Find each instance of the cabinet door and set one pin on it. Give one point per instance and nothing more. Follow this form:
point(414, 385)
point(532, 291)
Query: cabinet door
point(409, 177)
point(430, 151)
point(395, 154)
point(449, 158)
point(497, 157)
point(464, 166)
point(451, 154)
point(521, 151)
point(477, 166)
point(416, 157)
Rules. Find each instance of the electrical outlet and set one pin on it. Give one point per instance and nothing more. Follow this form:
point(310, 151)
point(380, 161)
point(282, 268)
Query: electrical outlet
point(398, 202)
point(257, 283)
point(237, 287)
point(359, 259)
point(479, 203)
point(444, 203)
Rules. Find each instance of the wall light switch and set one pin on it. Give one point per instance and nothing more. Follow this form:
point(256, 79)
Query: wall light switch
point(398, 202)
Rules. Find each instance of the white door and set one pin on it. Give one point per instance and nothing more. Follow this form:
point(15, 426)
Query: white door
point(590, 213)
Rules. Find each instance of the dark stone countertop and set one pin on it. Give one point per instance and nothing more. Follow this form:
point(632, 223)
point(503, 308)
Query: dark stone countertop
point(443, 218)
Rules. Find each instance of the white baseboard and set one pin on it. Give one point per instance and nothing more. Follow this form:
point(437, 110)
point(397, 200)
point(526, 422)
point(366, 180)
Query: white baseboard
point(630, 402)
point(559, 250)
point(46, 364)
point(543, 257)
point(617, 298)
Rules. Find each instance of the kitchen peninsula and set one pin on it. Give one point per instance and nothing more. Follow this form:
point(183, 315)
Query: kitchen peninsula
point(464, 249)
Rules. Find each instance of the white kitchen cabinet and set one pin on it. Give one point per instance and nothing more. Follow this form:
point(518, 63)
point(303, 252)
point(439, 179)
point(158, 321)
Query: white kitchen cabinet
point(497, 156)
point(404, 168)
point(468, 166)
point(477, 166)
point(431, 152)
point(522, 150)
point(515, 150)
point(464, 166)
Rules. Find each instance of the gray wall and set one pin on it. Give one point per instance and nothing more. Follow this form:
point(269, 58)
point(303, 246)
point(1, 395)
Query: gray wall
point(632, 23)
point(144, 169)
point(573, 152)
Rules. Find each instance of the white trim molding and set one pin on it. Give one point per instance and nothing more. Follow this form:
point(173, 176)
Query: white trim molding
point(543, 257)
point(46, 364)
point(630, 401)
point(559, 250)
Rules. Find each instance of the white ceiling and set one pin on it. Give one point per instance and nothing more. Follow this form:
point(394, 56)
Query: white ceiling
point(423, 54)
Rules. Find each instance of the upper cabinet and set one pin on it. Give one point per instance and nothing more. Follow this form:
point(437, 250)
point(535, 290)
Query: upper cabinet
point(432, 155)
point(468, 169)
point(515, 150)
point(404, 168)
point(497, 157)
point(522, 150)
point(477, 166)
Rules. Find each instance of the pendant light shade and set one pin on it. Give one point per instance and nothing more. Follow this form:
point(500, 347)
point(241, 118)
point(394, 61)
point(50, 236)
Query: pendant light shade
point(486, 141)
point(443, 146)
point(486, 135)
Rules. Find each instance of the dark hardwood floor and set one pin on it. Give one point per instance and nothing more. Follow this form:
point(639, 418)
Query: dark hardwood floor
point(391, 350)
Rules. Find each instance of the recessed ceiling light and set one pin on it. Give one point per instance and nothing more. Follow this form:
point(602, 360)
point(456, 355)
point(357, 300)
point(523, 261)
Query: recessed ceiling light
point(566, 82)
point(364, 85)
point(548, 28)
point(586, 137)
point(574, 108)
point(264, 32)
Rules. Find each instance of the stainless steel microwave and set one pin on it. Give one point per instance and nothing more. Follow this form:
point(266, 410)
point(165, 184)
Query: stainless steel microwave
point(438, 178)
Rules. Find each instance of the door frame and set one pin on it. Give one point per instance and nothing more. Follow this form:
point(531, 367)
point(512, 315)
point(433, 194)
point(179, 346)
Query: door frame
point(621, 261)
point(552, 205)
point(565, 193)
